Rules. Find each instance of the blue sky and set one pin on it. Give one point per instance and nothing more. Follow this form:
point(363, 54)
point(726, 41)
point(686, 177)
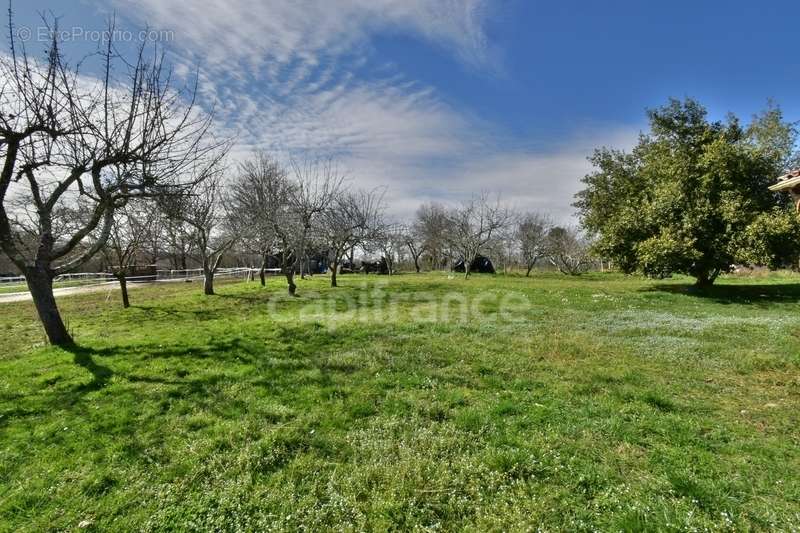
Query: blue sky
point(437, 99)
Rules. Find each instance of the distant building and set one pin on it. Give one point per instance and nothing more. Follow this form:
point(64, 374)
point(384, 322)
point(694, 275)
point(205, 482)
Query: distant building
point(790, 183)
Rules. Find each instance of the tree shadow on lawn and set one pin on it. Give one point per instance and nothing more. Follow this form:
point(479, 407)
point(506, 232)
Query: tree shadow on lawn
point(761, 295)
point(289, 348)
point(295, 355)
point(84, 357)
point(249, 298)
point(130, 395)
point(160, 311)
point(100, 374)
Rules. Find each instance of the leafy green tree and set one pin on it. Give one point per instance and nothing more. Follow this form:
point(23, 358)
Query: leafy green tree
point(683, 198)
point(772, 239)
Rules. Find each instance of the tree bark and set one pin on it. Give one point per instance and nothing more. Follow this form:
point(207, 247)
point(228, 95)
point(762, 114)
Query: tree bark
point(123, 287)
point(416, 263)
point(262, 271)
point(290, 281)
point(334, 269)
point(208, 284)
point(40, 284)
point(208, 280)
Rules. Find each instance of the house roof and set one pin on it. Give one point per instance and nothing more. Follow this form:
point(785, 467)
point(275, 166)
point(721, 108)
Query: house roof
point(787, 181)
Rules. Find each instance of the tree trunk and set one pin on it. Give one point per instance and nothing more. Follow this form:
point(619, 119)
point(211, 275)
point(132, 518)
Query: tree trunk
point(704, 280)
point(123, 287)
point(40, 284)
point(290, 281)
point(262, 271)
point(416, 263)
point(528, 273)
point(334, 269)
point(208, 280)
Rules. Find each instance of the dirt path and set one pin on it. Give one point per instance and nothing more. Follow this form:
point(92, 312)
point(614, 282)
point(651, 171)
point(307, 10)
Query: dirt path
point(68, 291)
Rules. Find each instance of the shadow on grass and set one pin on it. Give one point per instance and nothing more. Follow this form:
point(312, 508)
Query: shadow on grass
point(100, 374)
point(289, 347)
point(161, 311)
point(261, 298)
point(755, 294)
point(277, 363)
point(87, 357)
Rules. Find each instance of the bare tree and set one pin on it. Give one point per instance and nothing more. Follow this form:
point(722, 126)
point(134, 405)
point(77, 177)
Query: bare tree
point(283, 220)
point(251, 208)
point(317, 183)
point(531, 236)
point(179, 241)
point(388, 239)
point(502, 248)
point(473, 225)
point(568, 251)
point(291, 205)
point(348, 223)
point(132, 227)
point(202, 209)
point(68, 143)
point(154, 242)
point(430, 226)
point(415, 243)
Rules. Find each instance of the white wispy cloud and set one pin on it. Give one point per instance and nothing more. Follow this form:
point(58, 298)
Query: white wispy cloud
point(301, 77)
point(275, 33)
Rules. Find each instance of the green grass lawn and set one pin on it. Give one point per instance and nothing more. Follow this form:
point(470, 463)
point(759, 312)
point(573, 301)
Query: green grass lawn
point(422, 401)
point(7, 288)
